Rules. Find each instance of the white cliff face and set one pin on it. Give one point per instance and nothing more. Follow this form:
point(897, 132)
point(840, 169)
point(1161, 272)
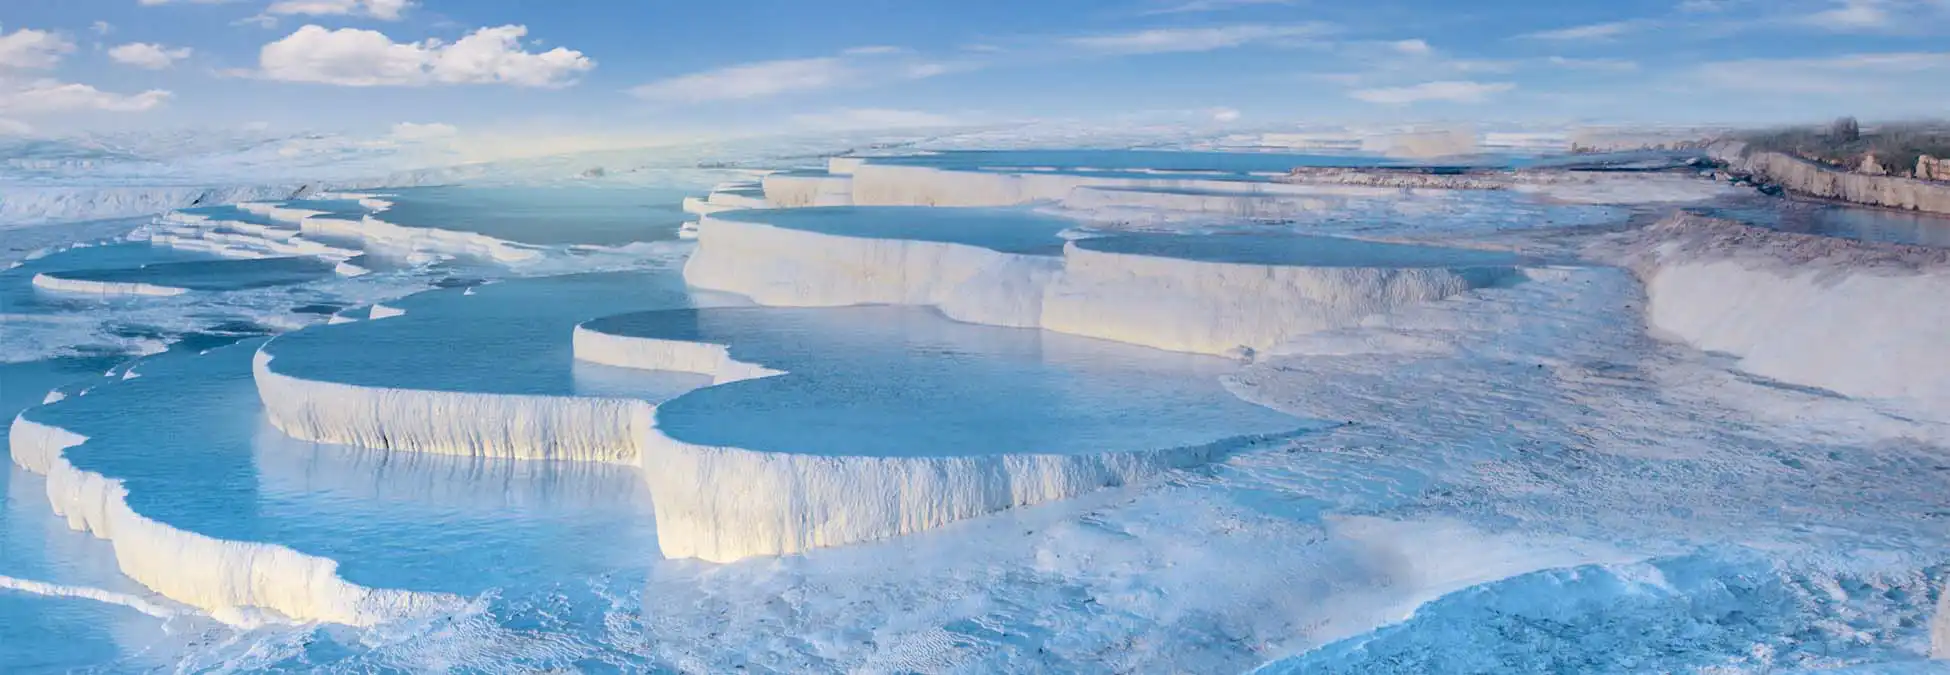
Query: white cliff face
point(1940, 627)
point(376, 233)
point(506, 426)
point(1227, 308)
point(796, 268)
point(1808, 178)
point(723, 504)
point(790, 190)
point(1216, 308)
point(237, 582)
point(1861, 319)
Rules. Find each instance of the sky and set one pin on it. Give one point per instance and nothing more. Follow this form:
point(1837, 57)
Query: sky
point(604, 70)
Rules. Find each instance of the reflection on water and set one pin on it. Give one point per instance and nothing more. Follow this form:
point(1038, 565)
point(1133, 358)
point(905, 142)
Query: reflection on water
point(1847, 222)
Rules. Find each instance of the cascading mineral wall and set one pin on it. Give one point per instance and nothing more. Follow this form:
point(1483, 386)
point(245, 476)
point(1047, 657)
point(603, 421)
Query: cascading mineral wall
point(1862, 319)
point(232, 580)
point(509, 426)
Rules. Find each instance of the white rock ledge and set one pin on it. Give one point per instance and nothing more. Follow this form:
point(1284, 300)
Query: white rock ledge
point(784, 267)
point(237, 582)
point(1219, 308)
point(722, 503)
point(504, 426)
point(1863, 319)
point(794, 190)
point(48, 282)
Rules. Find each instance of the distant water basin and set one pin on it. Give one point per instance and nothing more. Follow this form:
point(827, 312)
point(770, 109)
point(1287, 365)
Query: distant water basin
point(213, 275)
point(1005, 230)
point(1846, 222)
point(543, 215)
point(510, 337)
point(893, 381)
point(1295, 250)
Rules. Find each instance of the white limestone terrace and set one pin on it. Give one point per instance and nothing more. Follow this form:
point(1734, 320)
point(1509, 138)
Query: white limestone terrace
point(833, 426)
point(793, 189)
point(177, 278)
point(977, 265)
point(1223, 295)
point(506, 387)
point(1239, 295)
point(206, 506)
point(124, 464)
point(1864, 319)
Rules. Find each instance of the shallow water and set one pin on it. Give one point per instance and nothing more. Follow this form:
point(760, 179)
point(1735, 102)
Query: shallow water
point(905, 381)
point(1005, 230)
point(1295, 250)
point(213, 275)
point(1846, 222)
point(543, 215)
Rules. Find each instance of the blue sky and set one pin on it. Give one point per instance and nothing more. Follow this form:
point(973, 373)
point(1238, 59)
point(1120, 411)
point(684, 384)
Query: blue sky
point(674, 67)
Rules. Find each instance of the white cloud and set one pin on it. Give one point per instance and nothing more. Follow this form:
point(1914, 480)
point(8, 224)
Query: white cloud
point(1455, 91)
point(148, 55)
point(1412, 47)
point(1852, 15)
point(856, 67)
point(14, 127)
point(1168, 40)
point(1608, 65)
point(409, 131)
point(751, 80)
point(102, 27)
point(873, 118)
point(364, 58)
point(1224, 115)
point(28, 49)
point(153, 3)
point(49, 96)
point(384, 10)
point(1588, 33)
point(1191, 6)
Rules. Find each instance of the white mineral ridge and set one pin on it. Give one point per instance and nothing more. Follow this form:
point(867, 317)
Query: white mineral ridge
point(735, 200)
point(898, 185)
point(796, 268)
point(1862, 319)
point(1629, 189)
point(1231, 308)
point(701, 206)
point(379, 233)
point(676, 356)
point(466, 424)
point(1234, 204)
point(245, 240)
point(235, 581)
point(1940, 627)
point(282, 214)
point(1166, 303)
point(786, 190)
point(56, 284)
point(31, 204)
point(843, 166)
point(722, 504)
